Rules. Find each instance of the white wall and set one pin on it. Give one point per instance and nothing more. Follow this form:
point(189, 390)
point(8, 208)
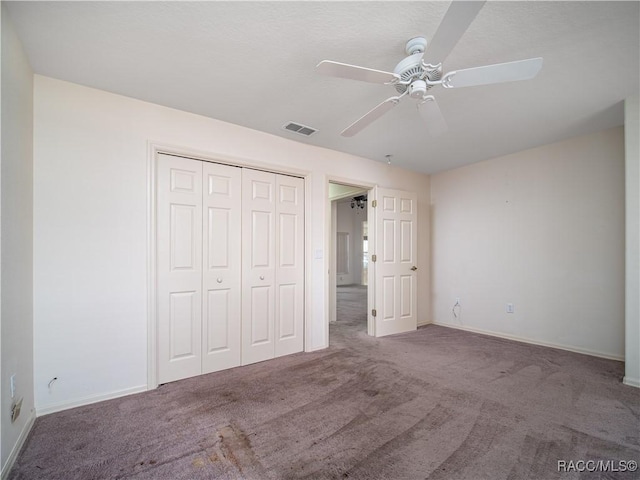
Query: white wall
point(632, 203)
point(350, 220)
point(90, 229)
point(344, 224)
point(16, 227)
point(542, 229)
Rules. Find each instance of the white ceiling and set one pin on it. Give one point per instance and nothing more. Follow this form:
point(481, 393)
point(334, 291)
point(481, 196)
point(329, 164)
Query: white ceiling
point(344, 193)
point(252, 64)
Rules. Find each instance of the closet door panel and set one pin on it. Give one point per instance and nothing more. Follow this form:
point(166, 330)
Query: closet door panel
point(221, 328)
point(179, 267)
point(259, 265)
point(183, 323)
point(261, 330)
point(219, 324)
point(287, 303)
point(289, 306)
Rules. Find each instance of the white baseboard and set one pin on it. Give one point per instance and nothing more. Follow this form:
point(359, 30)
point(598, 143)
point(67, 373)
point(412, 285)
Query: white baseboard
point(632, 382)
point(559, 346)
point(6, 468)
point(58, 407)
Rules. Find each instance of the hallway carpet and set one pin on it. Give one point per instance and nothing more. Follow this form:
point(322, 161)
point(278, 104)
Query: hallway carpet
point(437, 403)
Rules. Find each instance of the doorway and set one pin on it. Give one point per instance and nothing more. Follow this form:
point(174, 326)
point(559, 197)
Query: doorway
point(391, 253)
point(349, 256)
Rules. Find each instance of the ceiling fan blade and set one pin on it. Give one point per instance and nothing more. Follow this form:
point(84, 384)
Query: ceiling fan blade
point(501, 72)
point(370, 116)
point(431, 114)
point(459, 16)
point(353, 72)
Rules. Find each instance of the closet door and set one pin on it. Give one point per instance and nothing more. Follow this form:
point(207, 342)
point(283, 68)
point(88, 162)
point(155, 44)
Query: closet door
point(289, 299)
point(221, 282)
point(258, 265)
point(179, 267)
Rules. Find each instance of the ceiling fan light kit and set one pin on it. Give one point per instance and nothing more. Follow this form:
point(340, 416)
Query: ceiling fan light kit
point(422, 70)
point(359, 202)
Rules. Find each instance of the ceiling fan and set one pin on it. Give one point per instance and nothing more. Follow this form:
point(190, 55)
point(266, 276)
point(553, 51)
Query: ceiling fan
point(422, 69)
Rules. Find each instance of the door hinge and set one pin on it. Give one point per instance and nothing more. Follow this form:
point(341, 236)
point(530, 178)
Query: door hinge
point(374, 203)
point(374, 258)
point(374, 312)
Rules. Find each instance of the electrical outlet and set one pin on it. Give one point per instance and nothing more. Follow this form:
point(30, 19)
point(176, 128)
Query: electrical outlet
point(457, 301)
point(15, 410)
point(510, 308)
point(13, 385)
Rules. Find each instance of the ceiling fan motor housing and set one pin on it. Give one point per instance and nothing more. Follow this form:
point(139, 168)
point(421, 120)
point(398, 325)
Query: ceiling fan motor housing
point(412, 69)
point(418, 89)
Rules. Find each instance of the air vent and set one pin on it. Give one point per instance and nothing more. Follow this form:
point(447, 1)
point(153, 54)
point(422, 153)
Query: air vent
point(300, 129)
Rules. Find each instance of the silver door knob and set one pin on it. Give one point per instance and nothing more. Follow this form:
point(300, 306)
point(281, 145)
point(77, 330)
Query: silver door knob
point(219, 280)
point(414, 268)
point(261, 277)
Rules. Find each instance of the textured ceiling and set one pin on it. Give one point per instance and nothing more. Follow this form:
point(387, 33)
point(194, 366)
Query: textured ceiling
point(252, 64)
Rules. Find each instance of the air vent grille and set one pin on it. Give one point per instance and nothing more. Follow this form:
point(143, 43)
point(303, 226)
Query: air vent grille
point(299, 129)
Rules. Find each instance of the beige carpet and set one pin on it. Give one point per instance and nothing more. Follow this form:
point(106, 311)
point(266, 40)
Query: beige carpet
point(437, 403)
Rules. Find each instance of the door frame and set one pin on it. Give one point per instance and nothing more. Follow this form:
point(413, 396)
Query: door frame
point(330, 285)
point(155, 148)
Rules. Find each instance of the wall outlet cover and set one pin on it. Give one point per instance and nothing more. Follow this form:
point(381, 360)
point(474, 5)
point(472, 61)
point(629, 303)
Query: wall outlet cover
point(15, 410)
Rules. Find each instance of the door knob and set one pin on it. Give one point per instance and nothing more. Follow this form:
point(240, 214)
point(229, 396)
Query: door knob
point(219, 280)
point(414, 268)
point(261, 277)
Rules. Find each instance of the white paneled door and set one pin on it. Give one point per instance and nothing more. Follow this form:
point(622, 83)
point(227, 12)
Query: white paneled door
point(273, 278)
point(290, 265)
point(258, 265)
point(396, 264)
point(230, 266)
point(222, 264)
point(179, 267)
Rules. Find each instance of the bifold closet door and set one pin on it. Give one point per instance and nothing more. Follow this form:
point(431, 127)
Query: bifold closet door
point(289, 321)
point(258, 265)
point(221, 280)
point(199, 267)
point(273, 265)
point(179, 267)
point(230, 266)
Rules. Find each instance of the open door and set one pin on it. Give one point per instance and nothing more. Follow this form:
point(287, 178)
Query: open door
point(395, 264)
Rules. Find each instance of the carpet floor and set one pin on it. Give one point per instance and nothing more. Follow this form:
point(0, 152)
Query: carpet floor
point(437, 403)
